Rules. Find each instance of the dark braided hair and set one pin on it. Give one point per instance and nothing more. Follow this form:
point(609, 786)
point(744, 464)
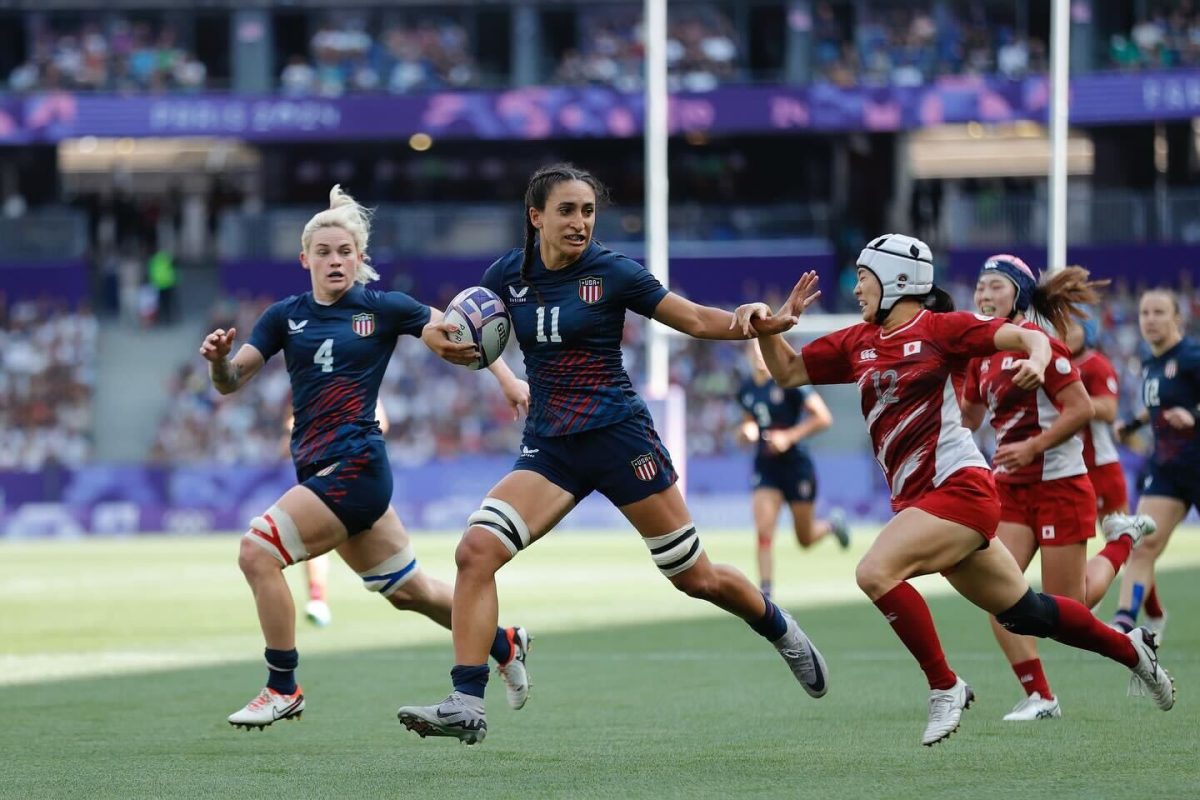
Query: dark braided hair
point(540, 184)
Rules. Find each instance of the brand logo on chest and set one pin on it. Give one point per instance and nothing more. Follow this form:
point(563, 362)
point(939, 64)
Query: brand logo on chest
point(591, 289)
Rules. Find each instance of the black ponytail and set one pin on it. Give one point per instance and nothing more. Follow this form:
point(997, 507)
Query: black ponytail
point(938, 301)
point(540, 184)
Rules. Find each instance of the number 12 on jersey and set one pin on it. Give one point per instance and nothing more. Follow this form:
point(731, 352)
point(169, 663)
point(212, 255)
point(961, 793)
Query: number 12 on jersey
point(541, 325)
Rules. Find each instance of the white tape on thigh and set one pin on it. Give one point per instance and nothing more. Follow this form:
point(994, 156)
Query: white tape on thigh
point(503, 520)
point(391, 574)
point(275, 532)
point(676, 551)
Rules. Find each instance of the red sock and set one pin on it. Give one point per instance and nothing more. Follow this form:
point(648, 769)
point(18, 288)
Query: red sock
point(904, 607)
point(1152, 607)
point(1077, 627)
point(316, 591)
point(1033, 678)
point(1117, 552)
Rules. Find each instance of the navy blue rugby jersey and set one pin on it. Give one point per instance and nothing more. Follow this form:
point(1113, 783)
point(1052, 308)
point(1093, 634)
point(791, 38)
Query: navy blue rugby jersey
point(1170, 380)
point(571, 338)
point(336, 356)
point(773, 408)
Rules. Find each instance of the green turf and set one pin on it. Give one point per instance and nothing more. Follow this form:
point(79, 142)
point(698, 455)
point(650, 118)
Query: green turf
point(638, 691)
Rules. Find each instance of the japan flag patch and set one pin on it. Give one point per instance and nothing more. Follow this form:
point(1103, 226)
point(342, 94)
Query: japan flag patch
point(912, 348)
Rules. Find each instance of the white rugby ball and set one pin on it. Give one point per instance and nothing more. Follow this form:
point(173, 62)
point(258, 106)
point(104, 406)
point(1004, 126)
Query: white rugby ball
point(482, 319)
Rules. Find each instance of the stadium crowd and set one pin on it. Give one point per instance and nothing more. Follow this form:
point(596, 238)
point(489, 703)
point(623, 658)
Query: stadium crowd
point(47, 376)
point(348, 56)
point(122, 56)
point(1169, 37)
point(872, 43)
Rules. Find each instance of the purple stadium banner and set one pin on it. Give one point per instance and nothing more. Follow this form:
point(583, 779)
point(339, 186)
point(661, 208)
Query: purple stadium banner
point(129, 499)
point(58, 281)
point(577, 112)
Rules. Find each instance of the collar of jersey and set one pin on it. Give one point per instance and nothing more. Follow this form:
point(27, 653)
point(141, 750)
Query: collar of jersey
point(312, 299)
point(906, 325)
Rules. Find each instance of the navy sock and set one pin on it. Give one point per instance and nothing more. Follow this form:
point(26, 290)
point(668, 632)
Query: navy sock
point(281, 669)
point(501, 649)
point(765, 588)
point(772, 624)
point(1125, 619)
point(470, 679)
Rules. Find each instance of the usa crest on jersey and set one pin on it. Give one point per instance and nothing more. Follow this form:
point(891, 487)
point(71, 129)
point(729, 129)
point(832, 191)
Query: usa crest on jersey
point(591, 289)
point(644, 467)
point(363, 324)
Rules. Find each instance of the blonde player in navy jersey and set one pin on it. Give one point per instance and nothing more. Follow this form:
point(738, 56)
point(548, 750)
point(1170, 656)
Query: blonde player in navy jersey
point(1171, 395)
point(337, 340)
point(778, 421)
point(588, 430)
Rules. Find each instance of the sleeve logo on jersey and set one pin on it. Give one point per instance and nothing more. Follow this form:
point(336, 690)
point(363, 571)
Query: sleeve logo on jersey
point(1112, 385)
point(363, 324)
point(912, 348)
point(591, 289)
point(644, 467)
point(1062, 365)
point(1171, 369)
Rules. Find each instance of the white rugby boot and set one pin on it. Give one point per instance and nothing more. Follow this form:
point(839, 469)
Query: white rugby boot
point(268, 708)
point(515, 673)
point(460, 716)
point(804, 659)
point(1136, 526)
point(1033, 707)
point(839, 527)
point(945, 711)
point(1148, 677)
point(318, 613)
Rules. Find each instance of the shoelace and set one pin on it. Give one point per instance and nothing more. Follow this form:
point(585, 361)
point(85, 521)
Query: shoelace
point(804, 656)
point(940, 704)
point(264, 698)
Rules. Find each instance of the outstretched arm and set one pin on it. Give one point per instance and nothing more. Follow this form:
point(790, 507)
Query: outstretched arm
point(229, 374)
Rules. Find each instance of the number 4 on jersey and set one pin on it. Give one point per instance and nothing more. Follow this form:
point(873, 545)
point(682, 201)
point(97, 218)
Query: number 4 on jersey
point(541, 325)
point(324, 356)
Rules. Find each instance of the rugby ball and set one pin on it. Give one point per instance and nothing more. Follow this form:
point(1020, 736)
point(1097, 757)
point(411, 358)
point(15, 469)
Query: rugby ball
point(481, 318)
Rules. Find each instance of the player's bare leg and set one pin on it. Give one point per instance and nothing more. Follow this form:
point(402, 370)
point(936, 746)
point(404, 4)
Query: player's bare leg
point(1021, 651)
point(305, 526)
point(525, 506)
point(1167, 513)
point(665, 524)
point(811, 530)
point(916, 543)
point(766, 504)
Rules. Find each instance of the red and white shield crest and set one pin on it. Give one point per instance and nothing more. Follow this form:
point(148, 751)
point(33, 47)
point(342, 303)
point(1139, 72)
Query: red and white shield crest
point(591, 289)
point(363, 324)
point(644, 467)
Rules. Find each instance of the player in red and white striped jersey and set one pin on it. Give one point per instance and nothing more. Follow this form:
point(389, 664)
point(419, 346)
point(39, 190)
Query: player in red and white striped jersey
point(1046, 499)
point(908, 358)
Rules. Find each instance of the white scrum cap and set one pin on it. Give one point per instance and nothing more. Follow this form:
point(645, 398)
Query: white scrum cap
point(903, 265)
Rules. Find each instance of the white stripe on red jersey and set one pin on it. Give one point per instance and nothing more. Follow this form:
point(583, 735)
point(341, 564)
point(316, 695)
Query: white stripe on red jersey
point(1100, 380)
point(908, 381)
point(1018, 414)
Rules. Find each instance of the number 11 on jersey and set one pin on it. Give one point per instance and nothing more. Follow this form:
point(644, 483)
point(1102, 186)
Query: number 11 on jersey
point(541, 325)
